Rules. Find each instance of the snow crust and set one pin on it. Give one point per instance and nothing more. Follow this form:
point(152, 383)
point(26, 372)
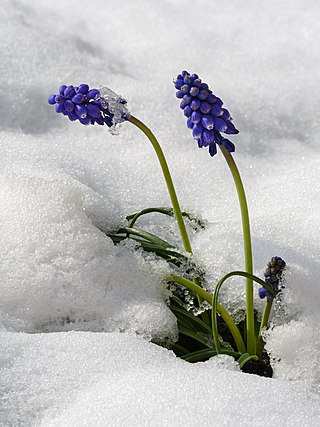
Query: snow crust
point(60, 180)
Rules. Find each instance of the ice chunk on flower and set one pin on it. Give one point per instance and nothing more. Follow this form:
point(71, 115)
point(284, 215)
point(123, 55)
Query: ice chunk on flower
point(116, 104)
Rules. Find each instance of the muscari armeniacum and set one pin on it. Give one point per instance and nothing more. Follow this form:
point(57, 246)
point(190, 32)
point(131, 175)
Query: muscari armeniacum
point(207, 118)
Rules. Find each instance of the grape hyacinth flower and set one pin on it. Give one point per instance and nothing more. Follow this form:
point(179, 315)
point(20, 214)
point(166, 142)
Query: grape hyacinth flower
point(205, 114)
point(273, 276)
point(103, 106)
point(90, 106)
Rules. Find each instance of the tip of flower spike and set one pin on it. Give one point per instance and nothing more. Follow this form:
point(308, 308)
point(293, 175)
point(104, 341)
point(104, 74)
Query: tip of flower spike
point(273, 277)
point(210, 118)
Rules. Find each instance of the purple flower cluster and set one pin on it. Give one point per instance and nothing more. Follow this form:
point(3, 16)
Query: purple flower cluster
point(206, 116)
point(273, 276)
point(81, 103)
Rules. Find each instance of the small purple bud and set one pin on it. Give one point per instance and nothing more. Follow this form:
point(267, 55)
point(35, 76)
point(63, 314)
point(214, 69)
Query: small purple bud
point(200, 142)
point(218, 137)
point(195, 104)
point(83, 88)
point(179, 94)
point(196, 117)
point(194, 91)
point(59, 99)
point(190, 123)
point(194, 77)
point(72, 116)
point(93, 111)
point(220, 124)
point(178, 83)
point(92, 94)
point(208, 137)
point(204, 86)
point(69, 106)
point(187, 79)
point(78, 98)
point(59, 107)
point(207, 122)
point(99, 120)
point(231, 130)
point(62, 89)
point(187, 111)
point(69, 92)
point(219, 101)
point(211, 98)
point(187, 99)
point(185, 88)
point(197, 131)
point(183, 104)
point(212, 149)
point(203, 94)
point(84, 120)
point(205, 107)
point(196, 82)
point(51, 99)
point(226, 114)
point(228, 145)
point(216, 110)
point(81, 111)
point(263, 292)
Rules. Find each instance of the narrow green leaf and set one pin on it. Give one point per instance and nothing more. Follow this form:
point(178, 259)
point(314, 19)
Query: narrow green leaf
point(145, 235)
point(198, 356)
point(195, 336)
point(194, 319)
point(245, 358)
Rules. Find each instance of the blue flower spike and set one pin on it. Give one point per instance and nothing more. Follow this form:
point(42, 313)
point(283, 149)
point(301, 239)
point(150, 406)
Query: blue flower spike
point(204, 112)
point(90, 106)
point(273, 276)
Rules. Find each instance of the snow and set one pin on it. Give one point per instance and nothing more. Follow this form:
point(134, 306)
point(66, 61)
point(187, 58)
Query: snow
point(76, 313)
point(74, 379)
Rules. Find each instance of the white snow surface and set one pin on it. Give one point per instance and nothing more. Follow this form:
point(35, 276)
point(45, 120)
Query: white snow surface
point(77, 314)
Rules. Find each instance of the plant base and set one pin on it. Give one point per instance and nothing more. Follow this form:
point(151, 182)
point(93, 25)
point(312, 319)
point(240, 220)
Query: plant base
point(260, 367)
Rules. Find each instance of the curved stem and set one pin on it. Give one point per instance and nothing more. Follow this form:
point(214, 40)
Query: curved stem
point(264, 323)
point(251, 342)
point(220, 309)
point(168, 179)
point(216, 296)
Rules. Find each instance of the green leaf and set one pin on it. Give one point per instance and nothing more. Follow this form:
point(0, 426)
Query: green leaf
point(132, 218)
point(245, 358)
point(206, 354)
point(179, 350)
point(193, 319)
point(195, 336)
point(200, 355)
point(145, 235)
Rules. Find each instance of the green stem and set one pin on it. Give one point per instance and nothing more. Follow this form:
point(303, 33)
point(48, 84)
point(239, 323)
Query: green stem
point(251, 342)
point(168, 179)
point(216, 296)
point(220, 309)
point(264, 323)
